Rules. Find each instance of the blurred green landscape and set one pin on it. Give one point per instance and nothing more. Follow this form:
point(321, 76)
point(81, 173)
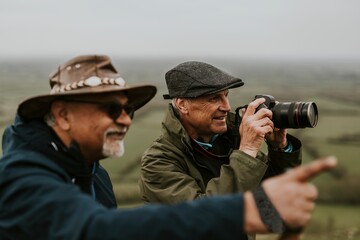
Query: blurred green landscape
point(333, 86)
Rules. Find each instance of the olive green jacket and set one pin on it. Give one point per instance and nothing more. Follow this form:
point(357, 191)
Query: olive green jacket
point(171, 174)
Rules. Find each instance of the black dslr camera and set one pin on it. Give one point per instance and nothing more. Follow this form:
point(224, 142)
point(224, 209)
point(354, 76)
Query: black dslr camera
point(290, 114)
point(285, 115)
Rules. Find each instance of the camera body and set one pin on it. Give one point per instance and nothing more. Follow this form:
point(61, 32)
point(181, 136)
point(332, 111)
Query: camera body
point(290, 114)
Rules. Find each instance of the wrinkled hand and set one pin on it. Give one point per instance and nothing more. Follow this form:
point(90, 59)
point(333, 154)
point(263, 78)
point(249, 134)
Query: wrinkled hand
point(291, 194)
point(277, 139)
point(254, 127)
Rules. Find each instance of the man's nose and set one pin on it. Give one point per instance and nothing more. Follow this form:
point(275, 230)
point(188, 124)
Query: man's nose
point(225, 105)
point(124, 119)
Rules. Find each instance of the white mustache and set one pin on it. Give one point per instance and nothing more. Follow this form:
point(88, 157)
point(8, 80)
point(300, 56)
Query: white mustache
point(121, 130)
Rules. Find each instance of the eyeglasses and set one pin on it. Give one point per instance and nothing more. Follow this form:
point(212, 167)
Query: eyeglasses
point(112, 109)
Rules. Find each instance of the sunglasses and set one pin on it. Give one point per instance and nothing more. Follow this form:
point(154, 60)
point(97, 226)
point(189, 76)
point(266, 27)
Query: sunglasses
point(112, 109)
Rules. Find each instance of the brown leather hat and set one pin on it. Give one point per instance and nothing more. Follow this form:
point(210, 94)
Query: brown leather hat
point(85, 75)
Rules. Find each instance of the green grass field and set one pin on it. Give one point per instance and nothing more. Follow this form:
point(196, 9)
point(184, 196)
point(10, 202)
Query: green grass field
point(334, 88)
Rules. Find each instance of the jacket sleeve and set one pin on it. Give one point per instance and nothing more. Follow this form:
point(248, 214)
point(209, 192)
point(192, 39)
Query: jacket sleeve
point(39, 206)
point(280, 161)
point(245, 172)
point(163, 179)
point(241, 174)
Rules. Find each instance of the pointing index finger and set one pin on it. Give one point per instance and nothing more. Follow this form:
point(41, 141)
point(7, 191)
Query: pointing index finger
point(308, 171)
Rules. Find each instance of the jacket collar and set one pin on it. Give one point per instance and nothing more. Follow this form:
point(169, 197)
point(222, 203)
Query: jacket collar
point(37, 135)
point(173, 127)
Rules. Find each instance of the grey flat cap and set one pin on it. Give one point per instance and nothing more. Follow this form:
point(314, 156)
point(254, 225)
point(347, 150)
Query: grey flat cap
point(194, 79)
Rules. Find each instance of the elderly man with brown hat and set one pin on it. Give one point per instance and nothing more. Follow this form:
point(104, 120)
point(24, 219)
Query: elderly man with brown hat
point(53, 187)
point(88, 111)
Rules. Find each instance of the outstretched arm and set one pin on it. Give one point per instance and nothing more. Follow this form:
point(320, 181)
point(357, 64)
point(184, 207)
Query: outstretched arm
point(291, 195)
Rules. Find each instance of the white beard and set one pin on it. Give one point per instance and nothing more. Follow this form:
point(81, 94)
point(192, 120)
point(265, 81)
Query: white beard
point(113, 148)
point(114, 142)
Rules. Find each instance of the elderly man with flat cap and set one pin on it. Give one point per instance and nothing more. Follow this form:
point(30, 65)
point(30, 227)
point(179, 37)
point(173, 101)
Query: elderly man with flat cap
point(53, 187)
point(196, 154)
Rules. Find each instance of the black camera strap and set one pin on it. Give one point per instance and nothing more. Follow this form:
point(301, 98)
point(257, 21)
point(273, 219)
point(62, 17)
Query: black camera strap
point(236, 134)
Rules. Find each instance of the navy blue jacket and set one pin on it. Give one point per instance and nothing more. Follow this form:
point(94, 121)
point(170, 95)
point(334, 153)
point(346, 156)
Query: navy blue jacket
point(47, 192)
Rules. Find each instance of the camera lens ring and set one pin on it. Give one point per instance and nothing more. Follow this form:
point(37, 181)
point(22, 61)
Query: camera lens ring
point(312, 114)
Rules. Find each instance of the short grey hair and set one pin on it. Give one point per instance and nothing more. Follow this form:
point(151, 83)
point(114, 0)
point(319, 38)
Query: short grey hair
point(175, 107)
point(49, 119)
point(173, 102)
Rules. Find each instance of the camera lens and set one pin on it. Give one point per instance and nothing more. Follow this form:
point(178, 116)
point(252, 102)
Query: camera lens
point(295, 115)
point(312, 114)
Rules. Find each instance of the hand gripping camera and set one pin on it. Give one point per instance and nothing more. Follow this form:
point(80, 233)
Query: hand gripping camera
point(285, 115)
point(290, 114)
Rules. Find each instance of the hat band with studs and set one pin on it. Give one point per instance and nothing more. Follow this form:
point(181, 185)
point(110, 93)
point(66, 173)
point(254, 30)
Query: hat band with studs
point(92, 81)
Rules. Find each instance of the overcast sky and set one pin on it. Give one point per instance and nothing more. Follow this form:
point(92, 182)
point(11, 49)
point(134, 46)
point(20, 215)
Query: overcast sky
point(155, 28)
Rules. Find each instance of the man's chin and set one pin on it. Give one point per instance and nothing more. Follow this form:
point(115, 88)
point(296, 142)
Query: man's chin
point(220, 130)
point(114, 155)
point(113, 149)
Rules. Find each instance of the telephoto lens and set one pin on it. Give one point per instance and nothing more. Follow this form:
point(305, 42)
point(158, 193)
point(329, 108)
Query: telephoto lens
point(290, 114)
point(295, 115)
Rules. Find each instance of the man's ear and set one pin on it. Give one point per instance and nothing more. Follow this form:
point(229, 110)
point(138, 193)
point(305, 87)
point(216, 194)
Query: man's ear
point(182, 105)
point(61, 115)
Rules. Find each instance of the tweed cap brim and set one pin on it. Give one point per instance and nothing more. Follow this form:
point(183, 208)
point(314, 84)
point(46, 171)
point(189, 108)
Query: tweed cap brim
point(194, 79)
